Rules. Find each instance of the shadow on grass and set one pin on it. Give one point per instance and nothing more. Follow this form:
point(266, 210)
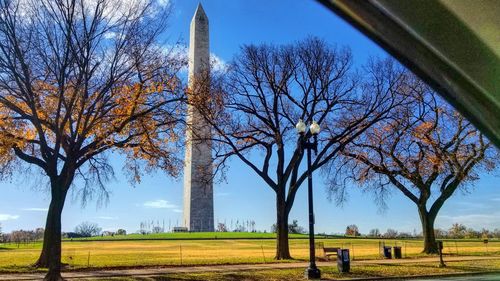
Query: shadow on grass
point(21, 269)
point(194, 277)
point(468, 268)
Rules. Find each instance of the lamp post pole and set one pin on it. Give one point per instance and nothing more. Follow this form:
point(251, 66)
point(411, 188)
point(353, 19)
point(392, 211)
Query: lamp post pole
point(312, 272)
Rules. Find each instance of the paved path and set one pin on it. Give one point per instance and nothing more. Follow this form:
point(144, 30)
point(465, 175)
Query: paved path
point(155, 271)
point(428, 259)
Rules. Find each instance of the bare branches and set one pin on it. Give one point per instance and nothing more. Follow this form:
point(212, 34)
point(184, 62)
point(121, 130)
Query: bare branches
point(78, 78)
point(423, 147)
point(269, 88)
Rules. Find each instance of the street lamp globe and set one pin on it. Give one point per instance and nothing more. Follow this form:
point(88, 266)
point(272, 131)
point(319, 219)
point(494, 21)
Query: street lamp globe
point(301, 127)
point(314, 128)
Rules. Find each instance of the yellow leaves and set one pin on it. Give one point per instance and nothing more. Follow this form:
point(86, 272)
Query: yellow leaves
point(30, 134)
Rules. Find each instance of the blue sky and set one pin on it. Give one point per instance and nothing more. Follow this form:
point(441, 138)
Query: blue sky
point(159, 198)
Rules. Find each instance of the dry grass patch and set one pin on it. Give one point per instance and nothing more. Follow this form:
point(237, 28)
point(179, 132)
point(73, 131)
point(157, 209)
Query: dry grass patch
point(105, 254)
point(360, 271)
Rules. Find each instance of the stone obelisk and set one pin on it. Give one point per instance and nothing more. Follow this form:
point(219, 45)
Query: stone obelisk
point(198, 184)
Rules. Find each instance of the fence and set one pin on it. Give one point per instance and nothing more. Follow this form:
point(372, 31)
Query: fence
point(372, 248)
point(190, 252)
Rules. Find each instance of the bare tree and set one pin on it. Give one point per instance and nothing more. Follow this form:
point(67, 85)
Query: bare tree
point(268, 89)
point(88, 229)
point(295, 228)
point(375, 232)
point(352, 230)
point(157, 229)
point(391, 233)
point(425, 150)
point(78, 79)
point(457, 230)
point(221, 227)
point(39, 232)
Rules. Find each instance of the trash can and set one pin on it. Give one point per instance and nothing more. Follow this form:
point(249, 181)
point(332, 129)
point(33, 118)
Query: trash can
point(397, 252)
point(387, 252)
point(343, 260)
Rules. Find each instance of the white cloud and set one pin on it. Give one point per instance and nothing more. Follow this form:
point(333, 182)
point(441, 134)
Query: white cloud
point(113, 11)
point(159, 204)
point(163, 3)
point(218, 64)
point(110, 35)
point(107, 218)
point(177, 210)
point(177, 52)
point(35, 209)
point(476, 221)
point(181, 52)
point(111, 228)
point(7, 217)
point(465, 205)
point(118, 8)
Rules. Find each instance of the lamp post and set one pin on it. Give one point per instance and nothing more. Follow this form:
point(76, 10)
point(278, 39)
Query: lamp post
point(312, 272)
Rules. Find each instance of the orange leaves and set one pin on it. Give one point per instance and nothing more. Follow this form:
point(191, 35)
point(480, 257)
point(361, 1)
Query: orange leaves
point(125, 117)
point(424, 131)
point(423, 128)
point(245, 141)
point(434, 160)
point(43, 86)
point(30, 134)
point(162, 86)
point(13, 132)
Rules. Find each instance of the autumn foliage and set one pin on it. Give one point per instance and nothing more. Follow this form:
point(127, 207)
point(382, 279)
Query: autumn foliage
point(80, 80)
point(424, 149)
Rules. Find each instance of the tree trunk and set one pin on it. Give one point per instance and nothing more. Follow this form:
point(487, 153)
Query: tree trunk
point(282, 247)
point(427, 220)
point(51, 252)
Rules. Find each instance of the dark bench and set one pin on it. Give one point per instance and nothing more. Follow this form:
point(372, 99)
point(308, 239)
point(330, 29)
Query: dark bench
point(330, 251)
point(327, 251)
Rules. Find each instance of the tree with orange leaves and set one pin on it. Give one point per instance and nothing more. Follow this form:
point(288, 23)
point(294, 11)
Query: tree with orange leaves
point(426, 150)
point(78, 80)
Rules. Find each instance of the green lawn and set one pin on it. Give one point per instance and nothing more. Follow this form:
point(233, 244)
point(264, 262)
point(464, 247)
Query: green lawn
point(190, 236)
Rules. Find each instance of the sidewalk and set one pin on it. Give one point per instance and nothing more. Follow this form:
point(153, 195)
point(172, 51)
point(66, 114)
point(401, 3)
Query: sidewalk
point(155, 271)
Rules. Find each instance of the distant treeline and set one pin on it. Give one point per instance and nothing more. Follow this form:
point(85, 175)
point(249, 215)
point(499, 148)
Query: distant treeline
point(22, 236)
point(456, 231)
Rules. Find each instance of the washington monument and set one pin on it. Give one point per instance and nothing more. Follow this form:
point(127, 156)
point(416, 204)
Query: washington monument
point(198, 185)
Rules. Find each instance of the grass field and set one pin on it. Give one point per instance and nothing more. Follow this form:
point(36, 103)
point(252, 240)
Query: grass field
point(223, 250)
point(331, 273)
